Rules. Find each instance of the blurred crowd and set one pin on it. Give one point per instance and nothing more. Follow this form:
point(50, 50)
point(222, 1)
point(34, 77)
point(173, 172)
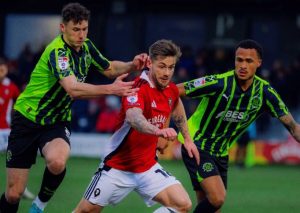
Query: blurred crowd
point(99, 115)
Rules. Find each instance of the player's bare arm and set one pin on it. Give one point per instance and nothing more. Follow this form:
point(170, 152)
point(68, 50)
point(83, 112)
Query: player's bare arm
point(118, 68)
point(181, 89)
point(135, 117)
point(292, 126)
point(79, 90)
point(180, 120)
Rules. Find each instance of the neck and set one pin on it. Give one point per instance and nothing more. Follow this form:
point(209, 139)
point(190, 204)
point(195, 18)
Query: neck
point(245, 84)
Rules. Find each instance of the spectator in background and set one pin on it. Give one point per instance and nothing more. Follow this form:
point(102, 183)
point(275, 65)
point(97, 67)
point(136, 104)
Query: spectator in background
point(25, 64)
point(42, 115)
point(8, 94)
point(107, 118)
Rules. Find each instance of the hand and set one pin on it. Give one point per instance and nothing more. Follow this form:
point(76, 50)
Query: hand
point(192, 150)
point(162, 144)
point(168, 133)
point(140, 61)
point(122, 88)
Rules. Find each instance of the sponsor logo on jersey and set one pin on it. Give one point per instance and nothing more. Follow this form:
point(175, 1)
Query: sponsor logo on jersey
point(158, 120)
point(132, 99)
point(153, 104)
point(225, 96)
point(63, 62)
point(232, 116)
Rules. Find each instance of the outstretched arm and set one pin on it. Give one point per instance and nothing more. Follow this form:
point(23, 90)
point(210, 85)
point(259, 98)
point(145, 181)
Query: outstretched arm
point(180, 120)
point(118, 68)
point(135, 117)
point(79, 90)
point(292, 126)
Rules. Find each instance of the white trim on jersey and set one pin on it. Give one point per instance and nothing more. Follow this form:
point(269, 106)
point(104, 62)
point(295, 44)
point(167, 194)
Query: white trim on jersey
point(115, 140)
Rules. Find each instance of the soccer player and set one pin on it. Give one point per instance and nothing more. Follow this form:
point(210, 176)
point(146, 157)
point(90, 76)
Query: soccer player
point(230, 102)
point(42, 113)
point(8, 94)
point(130, 161)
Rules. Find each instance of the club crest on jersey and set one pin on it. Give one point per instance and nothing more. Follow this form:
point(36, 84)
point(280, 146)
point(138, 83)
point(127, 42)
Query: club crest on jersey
point(207, 167)
point(255, 102)
point(63, 62)
point(132, 99)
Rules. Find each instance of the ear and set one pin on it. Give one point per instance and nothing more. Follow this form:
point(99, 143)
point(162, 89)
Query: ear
point(62, 27)
point(259, 63)
point(149, 63)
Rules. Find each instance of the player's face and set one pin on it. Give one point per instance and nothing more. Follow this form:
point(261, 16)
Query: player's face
point(75, 34)
point(246, 63)
point(3, 71)
point(162, 70)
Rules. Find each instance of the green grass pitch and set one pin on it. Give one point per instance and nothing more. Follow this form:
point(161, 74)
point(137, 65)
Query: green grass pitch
point(258, 189)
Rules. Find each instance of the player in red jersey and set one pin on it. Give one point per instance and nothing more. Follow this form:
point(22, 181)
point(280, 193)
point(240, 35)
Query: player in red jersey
point(8, 94)
point(130, 162)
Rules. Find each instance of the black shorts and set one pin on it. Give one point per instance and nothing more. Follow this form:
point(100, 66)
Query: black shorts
point(26, 137)
point(209, 166)
point(244, 139)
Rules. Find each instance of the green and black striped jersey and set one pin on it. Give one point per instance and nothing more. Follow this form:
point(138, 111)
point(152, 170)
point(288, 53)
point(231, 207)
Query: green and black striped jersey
point(225, 110)
point(44, 100)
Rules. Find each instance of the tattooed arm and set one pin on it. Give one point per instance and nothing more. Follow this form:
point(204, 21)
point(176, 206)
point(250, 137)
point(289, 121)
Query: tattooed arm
point(135, 117)
point(180, 120)
point(292, 126)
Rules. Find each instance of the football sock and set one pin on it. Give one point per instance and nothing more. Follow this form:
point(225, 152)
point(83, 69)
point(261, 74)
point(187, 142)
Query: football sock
point(205, 206)
point(49, 185)
point(6, 206)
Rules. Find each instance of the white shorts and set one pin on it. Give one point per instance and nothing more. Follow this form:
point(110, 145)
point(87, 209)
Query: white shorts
point(4, 133)
point(110, 186)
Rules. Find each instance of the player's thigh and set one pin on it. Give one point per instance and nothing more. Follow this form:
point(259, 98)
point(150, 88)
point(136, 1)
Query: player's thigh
point(55, 143)
point(154, 181)
point(56, 150)
point(174, 196)
point(85, 206)
point(109, 187)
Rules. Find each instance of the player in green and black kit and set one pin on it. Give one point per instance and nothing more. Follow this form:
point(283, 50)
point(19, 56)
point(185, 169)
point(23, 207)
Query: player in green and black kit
point(43, 111)
point(230, 102)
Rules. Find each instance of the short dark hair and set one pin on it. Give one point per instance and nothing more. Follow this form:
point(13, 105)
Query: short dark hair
point(164, 48)
point(251, 44)
point(75, 12)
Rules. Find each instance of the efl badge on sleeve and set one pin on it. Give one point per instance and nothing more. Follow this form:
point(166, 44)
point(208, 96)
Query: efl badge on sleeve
point(63, 62)
point(132, 99)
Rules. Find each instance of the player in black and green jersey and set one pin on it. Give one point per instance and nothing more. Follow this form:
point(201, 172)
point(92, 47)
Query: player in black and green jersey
point(43, 111)
point(230, 102)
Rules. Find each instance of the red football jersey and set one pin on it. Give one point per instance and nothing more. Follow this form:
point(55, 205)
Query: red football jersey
point(133, 151)
point(8, 94)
